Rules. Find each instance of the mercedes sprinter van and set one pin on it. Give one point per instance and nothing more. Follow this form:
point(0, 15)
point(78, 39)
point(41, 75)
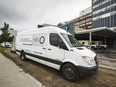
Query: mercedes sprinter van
point(58, 49)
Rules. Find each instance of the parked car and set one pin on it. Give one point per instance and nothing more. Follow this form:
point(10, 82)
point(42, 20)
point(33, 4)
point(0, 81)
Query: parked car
point(6, 44)
point(98, 45)
point(94, 44)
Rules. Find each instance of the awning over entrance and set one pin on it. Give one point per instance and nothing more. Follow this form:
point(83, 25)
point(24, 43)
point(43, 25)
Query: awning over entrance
point(96, 33)
point(104, 34)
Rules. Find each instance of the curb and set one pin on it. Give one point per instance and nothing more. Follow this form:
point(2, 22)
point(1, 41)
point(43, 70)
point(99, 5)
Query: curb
point(37, 82)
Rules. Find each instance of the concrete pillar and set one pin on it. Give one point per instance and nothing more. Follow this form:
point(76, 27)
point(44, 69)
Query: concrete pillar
point(105, 41)
point(90, 39)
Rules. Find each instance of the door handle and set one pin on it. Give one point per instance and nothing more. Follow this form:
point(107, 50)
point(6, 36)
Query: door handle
point(49, 49)
point(44, 48)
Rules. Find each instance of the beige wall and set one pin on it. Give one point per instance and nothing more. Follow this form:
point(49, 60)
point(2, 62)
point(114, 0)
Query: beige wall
point(77, 28)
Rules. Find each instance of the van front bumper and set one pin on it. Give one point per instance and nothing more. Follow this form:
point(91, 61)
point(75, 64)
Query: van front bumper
point(85, 71)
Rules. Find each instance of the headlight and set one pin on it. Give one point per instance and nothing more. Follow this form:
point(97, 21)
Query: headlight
point(88, 60)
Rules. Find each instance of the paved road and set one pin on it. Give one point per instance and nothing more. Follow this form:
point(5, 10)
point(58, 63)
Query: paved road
point(107, 60)
point(52, 78)
point(13, 76)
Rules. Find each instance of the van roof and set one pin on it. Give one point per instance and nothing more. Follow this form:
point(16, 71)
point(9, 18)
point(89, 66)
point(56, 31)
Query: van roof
point(59, 30)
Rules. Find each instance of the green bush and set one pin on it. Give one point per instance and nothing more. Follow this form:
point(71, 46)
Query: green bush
point(1, 49)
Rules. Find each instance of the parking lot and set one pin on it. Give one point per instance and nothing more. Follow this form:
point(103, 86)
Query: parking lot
point(105, 77)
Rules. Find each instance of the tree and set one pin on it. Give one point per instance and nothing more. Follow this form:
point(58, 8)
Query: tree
point(5, 36)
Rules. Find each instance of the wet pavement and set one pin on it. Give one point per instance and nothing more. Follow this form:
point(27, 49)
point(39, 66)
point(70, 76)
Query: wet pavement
point(107, 60)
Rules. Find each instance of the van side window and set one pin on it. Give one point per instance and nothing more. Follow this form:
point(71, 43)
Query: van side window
point(55, 40)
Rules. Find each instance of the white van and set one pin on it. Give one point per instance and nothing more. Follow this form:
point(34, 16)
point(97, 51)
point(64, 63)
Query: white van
point(58, 49)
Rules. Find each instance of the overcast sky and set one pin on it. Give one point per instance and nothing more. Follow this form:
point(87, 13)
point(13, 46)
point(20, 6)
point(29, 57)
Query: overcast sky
point(24, 14)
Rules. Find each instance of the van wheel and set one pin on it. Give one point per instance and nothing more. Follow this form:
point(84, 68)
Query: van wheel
point(70, 72)
point(23, 57)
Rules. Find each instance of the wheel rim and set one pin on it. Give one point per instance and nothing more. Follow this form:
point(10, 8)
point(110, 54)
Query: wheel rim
point(69, 73)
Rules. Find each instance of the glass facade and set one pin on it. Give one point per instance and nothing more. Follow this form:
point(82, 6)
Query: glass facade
point(104, 13)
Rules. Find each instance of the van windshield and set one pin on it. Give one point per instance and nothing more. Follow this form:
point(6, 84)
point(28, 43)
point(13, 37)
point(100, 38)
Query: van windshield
point(71, 40)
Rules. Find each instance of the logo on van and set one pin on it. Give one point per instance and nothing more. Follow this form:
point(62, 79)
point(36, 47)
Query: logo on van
point(42, 40)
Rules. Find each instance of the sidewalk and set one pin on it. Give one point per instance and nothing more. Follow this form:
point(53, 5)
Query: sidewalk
point(13, 76)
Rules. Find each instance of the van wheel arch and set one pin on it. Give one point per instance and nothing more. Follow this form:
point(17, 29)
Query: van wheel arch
point(65, 67)
point(64, 64)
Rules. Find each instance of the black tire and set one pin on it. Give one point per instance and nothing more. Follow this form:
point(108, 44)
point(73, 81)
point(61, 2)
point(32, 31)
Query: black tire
point(103, 48)
point(11, 50)
point(92, 48)
point(70, 72)
point(22, 56)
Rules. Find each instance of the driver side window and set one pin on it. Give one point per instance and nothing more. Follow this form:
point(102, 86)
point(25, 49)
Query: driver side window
point(55, 40)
